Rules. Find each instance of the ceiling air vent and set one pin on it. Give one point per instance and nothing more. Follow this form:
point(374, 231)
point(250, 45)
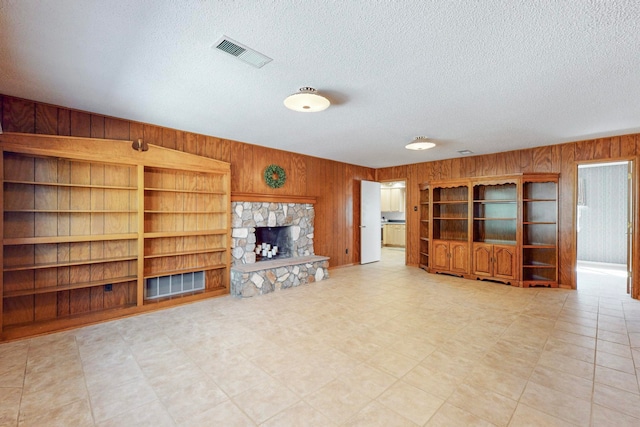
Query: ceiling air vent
point(242, 52)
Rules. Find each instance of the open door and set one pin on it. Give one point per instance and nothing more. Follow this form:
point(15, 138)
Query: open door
point(370, 224)
point(630, 225)
point(605, 226)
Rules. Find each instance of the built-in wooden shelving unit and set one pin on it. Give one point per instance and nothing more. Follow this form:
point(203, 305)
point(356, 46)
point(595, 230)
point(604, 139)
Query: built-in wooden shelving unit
point(87, 223)
point(501, 228)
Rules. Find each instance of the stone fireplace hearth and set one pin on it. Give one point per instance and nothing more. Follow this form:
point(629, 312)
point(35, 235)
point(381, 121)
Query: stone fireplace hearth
point(300, 266)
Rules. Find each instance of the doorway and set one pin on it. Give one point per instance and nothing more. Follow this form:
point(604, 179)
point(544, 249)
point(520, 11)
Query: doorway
point(393, 210)
point(604, 215)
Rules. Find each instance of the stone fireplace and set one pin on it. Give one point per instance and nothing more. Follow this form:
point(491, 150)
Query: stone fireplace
point(289, 226)
point(247, 216)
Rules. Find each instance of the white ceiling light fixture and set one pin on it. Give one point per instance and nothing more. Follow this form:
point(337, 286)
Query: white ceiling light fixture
point(307, 100)
point(420, 143)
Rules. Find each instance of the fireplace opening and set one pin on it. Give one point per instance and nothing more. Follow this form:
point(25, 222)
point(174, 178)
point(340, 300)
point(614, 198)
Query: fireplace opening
point(273, 243)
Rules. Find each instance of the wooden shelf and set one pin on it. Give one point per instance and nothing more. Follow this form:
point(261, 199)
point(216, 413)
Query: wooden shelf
point(186, 212)
point(451, 202)
point(495, 219)
point(451, 218)
point(80, 285)
point(174, 190)
point(193, 252)
point(161, 234)
point(70, 263)
point(70, 211)
point(68, 185)
point(497, 202)
point(68, 239)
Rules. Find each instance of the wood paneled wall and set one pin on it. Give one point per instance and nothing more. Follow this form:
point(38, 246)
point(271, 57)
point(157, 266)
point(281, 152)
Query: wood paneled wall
point(335, 185)
point(554, 158)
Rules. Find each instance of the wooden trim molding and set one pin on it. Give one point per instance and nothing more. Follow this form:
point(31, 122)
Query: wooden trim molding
point(276, 198)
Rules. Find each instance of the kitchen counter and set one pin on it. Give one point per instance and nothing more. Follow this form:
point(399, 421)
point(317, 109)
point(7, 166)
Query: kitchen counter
point(393, 233)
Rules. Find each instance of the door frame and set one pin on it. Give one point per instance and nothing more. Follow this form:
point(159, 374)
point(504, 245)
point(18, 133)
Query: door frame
point(633, 259)
point(406, 213)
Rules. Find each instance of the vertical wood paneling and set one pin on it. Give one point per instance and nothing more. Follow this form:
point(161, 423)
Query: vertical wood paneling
point(628, 145)
point(179, 140)
point(584, 150)
point(542, 159)
point(456, 168)
point(511, 160)
point(489, 165)
point(615, 146)
point(80, 124)
point(169, 138)
point(602, 148)
point(136, 131)
point(526, 160)
point(333, 184)
point(46, 119)
point(412, 216)
point(97, 126)
point(224, 150)
point(556, 158)
point(64, 122)
point(190, 143)
point(469, 167)
point(445, 169)
point(298, 175)
point(567, 240)
point(18, 115)
point(201, 145)
point(116, 129)
point(152, 134)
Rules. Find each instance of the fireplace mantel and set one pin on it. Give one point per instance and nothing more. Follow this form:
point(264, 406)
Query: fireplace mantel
point(271, 198)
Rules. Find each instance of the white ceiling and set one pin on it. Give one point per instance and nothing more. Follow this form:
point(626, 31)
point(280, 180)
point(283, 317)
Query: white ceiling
point(485, 75)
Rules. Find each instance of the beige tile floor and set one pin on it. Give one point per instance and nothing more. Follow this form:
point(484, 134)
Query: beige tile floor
point(375, 345)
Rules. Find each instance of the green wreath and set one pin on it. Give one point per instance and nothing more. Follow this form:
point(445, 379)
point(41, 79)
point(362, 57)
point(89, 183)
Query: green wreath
point(274, 176)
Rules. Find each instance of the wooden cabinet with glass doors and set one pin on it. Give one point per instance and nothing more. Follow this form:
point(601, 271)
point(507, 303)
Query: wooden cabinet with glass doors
point(500, 228)
point(495, 230)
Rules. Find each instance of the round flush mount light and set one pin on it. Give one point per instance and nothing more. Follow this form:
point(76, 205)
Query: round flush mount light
point(420, 143)
point(307, 100)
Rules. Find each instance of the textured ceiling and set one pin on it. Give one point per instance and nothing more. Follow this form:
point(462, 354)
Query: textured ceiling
point(484, 75)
